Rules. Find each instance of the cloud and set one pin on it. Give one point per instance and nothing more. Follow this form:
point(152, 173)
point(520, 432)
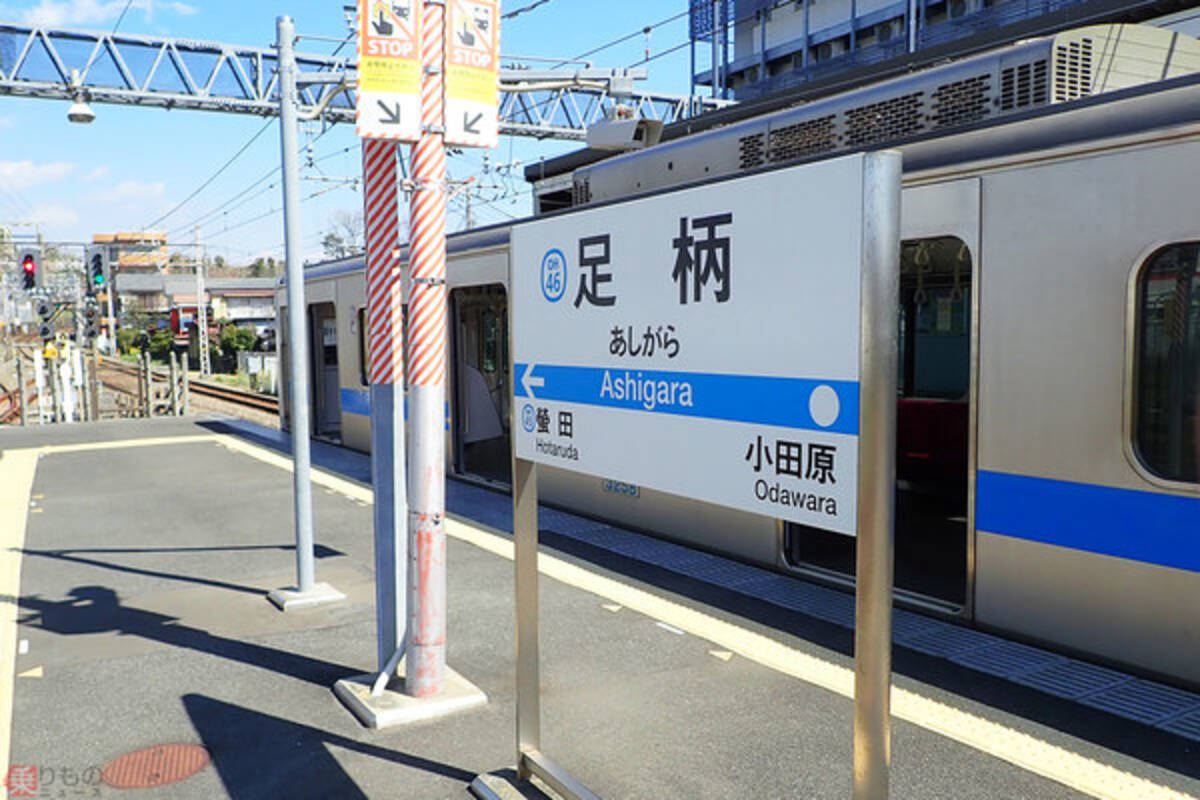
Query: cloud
point(96, 173)
point(126, 190)
point(6, 122)
point(24, 174)
point(53, 215)
point(74, 13)
point(130, 193)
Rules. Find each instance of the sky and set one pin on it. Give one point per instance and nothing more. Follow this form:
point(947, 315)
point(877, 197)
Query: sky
point(133, 165)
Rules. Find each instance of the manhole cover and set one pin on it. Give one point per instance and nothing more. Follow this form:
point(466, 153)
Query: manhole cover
point(155, 766)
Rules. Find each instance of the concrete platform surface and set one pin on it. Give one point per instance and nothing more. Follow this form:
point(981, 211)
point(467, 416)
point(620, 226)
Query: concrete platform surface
point(145, 550)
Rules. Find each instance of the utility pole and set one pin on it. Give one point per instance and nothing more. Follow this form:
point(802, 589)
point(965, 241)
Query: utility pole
point(306, 592)
point(426, 657)
point(201, 310)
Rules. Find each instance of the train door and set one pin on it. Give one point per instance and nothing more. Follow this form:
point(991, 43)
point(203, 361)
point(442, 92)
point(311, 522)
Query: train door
point(326, 391)
point(935, 447)
point(482, 446)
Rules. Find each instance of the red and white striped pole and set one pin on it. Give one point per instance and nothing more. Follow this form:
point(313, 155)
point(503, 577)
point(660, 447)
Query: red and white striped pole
point(426, 651)
point(385, 374)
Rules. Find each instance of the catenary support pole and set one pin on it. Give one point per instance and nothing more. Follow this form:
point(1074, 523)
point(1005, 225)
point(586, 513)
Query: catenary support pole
point(876, 477)
point(307, 592)
point(426, 656)
point(385, 365)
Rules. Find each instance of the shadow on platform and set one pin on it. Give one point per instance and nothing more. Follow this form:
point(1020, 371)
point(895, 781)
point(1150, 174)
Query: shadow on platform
point(96, 609)
point(72, 556)
point(258, 755)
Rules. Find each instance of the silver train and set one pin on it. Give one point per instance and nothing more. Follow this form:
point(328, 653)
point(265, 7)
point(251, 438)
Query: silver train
point(1049, 404)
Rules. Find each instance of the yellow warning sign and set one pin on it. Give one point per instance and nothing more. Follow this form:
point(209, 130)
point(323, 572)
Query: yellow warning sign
point(472, 71)
point(389, 70)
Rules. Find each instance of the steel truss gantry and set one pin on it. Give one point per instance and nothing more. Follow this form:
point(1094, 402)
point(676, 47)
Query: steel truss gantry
point(129, 69)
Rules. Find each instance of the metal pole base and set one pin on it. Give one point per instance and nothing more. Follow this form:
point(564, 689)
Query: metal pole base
point(394, 707)
point(292, 599)
point(504, 784)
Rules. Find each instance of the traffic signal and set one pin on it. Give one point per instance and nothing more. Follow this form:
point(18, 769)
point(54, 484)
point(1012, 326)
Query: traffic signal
point(30, 261)
point(91, 318)
point(46, 312)
point(98, 267)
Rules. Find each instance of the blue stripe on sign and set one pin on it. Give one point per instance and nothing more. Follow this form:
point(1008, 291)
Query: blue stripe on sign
point(736, 398)
point(1142, 526)
point(356, 401)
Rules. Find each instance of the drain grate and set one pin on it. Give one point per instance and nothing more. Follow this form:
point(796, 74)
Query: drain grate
point(1073, 679)
point(951, 640)
point(155, 766)
point(1143, 701)
point(1007, 659)
point(1188, 726)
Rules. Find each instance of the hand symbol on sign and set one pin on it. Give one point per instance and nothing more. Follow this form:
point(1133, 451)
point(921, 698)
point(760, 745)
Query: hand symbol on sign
point(382, 26)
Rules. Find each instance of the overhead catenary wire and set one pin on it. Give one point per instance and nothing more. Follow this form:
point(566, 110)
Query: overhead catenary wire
point(214, 176)
point(524, 9)
point(228, 205)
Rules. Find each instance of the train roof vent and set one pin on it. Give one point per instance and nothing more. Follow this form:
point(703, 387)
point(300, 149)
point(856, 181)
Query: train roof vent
point(1024, 85)
point(581, 191)
point(960, 102)
point(807, 138)
point(1072, 70)
point(1104, 58)
point(888, 119)
point(751, 152)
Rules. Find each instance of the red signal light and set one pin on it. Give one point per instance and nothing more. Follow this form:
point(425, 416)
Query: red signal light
point(29, 265)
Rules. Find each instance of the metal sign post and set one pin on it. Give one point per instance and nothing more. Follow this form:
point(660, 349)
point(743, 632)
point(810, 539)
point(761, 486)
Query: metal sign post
point(307, 591)
point(630, 359)
point(876, 479)
point(385, 357)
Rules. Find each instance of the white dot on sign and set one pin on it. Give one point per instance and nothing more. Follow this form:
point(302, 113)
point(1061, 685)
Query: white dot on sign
point(823, 405)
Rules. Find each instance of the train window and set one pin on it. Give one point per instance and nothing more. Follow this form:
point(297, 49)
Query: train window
point(1167, 366)
point(935, 318)
point(362, 346)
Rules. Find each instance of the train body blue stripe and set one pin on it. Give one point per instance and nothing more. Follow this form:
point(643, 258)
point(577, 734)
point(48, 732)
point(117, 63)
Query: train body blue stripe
point(356, 401)
point(1143, 526)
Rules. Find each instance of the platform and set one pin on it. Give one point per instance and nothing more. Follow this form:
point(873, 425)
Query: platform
point(145, 548)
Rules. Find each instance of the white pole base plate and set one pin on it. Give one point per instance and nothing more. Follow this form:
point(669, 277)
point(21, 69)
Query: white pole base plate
point(393, 707)
point(292, 599)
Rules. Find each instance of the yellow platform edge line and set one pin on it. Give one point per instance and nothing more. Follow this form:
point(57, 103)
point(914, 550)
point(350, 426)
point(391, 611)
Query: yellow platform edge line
point(17, 468)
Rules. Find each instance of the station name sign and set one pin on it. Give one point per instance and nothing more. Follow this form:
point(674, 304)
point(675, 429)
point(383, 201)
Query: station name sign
point(703, 342)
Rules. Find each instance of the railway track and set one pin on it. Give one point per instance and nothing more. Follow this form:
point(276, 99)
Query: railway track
point(228, 394)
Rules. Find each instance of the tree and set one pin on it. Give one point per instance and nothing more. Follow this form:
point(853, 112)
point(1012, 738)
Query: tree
point(345, 235)
point(333, 245)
